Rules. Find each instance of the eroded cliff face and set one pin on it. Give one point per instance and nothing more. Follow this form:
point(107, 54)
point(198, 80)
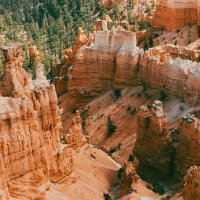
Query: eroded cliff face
point(114, 60)
point(113, 57)
point(176, 13)
point(30, 132)
point(62, 69)
point(188, 151)
point(154, 145)
point(191, 184)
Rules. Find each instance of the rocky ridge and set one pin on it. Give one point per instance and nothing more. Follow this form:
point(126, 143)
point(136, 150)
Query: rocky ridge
point(31, 130)
point(119, 62)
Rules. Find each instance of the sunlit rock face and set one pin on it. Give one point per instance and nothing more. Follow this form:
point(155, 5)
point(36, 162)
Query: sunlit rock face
point(173, 14)
point(113, 57)
point(153, 147)
point(30, 131)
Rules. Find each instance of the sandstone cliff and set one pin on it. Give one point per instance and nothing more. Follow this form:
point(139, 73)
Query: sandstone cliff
point(61, 69)
point(188, 151)
point(154, 146)
point(114, 59)
point(191, 184)
point(31, 152)
point(176, 13)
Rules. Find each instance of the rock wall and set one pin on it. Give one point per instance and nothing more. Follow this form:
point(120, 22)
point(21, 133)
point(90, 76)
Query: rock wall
point(30, 132)
point(61, 68)
point(188, 151)
point(114, 60)
point(176, 13)
point(106, 61)
point(191, 184)
point(154, 145)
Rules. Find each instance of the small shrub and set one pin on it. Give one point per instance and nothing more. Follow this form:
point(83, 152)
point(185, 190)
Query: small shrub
point(133, 111)
point(198, 59)
point(178, 30)
point(112, 150)
point(158, 189)
point(131, 158)
point(119, 173)
point(117, 93)
point(181, 107)
point(139, 94)
point(111, 127)
point(163, 96)
point(106, 196)
point(128, 108)
point(144, 87)
point(155, 35)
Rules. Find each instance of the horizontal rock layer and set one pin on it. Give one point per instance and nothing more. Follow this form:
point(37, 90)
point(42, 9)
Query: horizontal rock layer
point(174, 14)
point(30, 132)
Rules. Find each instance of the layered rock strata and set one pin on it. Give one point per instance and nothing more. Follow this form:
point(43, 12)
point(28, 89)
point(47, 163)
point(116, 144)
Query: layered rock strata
point(154, 146)
point(176, 13)
point(104, 64)
point(61, 69)
point(114, 59)
point(188, 151)
point(30, 131)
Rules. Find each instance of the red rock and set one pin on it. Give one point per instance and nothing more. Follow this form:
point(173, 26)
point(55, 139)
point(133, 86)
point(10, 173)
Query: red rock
point(153, 147)
point(75, 138)
point(176, 14)
point(191, 184)
point(31, 130)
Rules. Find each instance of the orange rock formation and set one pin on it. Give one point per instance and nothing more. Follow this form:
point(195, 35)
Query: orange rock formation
point(75, 138)
point(129, 177)
point(176, 13)
point(31, 130)
point(61, 69)
point(153, 146)
point(191, 186)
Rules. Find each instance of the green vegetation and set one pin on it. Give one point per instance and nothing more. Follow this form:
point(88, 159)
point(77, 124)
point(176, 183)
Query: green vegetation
point(117, 93)
point(50, 25)
point(110, 127)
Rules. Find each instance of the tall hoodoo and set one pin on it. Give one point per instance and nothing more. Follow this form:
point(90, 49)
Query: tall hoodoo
point(189, 146)
point(30, 132)
point(153, 146)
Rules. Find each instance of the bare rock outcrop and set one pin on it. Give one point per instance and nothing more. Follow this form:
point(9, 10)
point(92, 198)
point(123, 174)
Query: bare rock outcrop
point(176, 13)
point(153, 146)
point(188, 151)
point(192, 184)
point(100, 64)
point(129, 177)
point(75, 138)
point(61, 69)
point(30, 131)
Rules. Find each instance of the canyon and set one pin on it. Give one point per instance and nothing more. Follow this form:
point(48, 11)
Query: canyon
point(171, 72)
point(79, 139)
